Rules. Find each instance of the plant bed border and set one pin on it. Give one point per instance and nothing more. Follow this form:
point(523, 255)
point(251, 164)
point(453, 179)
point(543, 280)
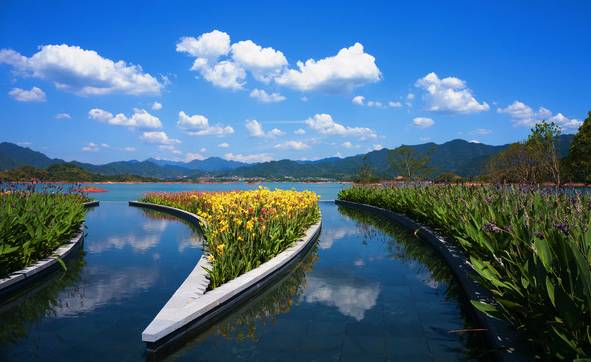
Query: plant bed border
point(192, 308)
point(508, 344)
point(24, 277)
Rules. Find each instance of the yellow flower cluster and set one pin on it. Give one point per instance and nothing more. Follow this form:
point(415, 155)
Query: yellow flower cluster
point(244, 229)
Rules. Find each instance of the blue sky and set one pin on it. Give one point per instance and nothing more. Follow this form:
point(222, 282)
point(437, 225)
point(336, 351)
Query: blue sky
point(80, 80)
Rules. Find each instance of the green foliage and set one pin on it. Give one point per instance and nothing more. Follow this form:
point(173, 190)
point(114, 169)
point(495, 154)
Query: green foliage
point(536, 160)
point(34, 224)
point(366, 174)
point(63, 172)
point(530, 247)
point(448, 177)
point(578, 161)
point(543, 145)
point(410, 164)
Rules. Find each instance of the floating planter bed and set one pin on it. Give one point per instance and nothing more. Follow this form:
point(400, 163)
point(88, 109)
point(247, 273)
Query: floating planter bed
point(197, 303)
point(25, 276)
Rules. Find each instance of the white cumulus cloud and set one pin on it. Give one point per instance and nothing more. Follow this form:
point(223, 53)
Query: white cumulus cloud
point(350, 68)
point(23, 95)
point(449, 95)
point(227, 64)
point(300, 131)
point(224, 145)
point(207, 46)
point(265, 97)
point(423, 122)
point(255, 129)
point(140, 118)
point(156, 106)
point(325, 125)
point(263, 63)
point(198, 125)
point(358, 100)
point(224, 74)
point(524, 115)
point(82, 71)
point(159, 138)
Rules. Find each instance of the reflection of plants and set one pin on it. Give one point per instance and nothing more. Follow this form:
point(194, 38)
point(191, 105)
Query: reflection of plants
point(162, 216)
point(264, 309)
point(407, 247)
point(28, 306)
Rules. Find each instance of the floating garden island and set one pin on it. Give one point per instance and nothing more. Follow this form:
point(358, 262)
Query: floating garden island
point(251, 238)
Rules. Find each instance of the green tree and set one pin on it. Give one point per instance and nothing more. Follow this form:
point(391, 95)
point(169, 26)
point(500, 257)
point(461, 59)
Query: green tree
point(542, 143)
point(365, 174)
point(578, 160)
point(514, 164)
point(407, 162)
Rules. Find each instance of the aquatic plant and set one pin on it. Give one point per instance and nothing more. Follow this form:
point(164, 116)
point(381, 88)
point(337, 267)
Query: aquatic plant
point(530, 247)
point(244, 229)
point(34, 221)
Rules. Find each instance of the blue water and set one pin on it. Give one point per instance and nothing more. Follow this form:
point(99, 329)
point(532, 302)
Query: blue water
point(367, 291)
point(127, 192)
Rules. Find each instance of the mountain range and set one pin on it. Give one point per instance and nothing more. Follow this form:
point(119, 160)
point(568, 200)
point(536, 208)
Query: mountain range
point(458, 156)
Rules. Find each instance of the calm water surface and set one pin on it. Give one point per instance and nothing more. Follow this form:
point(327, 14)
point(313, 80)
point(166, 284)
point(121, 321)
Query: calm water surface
point(367, 291)
point(126, 192)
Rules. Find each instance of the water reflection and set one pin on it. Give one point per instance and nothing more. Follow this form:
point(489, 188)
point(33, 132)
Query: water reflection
point(428, 267)
point(352, 297)
point(99, 287)
point(132, 262)
point(371, 291)
point(247, 321)
point(42, 298)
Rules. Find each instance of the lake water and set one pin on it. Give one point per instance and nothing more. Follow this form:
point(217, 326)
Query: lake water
point(127, 192)
point(367, 291)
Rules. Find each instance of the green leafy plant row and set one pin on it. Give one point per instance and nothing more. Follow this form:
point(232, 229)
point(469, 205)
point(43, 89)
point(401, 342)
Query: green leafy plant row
point(530, 247)
point(33, 224)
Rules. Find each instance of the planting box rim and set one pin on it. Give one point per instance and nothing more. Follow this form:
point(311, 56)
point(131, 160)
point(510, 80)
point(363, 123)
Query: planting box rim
point(192, 305)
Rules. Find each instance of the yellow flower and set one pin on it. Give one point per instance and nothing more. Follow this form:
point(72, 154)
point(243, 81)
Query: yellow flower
point(210, 258)
point(221, 249)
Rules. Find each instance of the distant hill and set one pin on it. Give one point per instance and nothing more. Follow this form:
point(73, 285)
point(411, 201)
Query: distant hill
point(458, 156)
point(139, 168)
point(64, 172)
point(12, 155)
point(211, 164)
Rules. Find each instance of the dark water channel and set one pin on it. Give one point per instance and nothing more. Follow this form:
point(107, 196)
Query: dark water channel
point(368, 291)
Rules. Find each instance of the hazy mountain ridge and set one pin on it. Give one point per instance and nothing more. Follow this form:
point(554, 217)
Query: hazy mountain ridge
point(458, 156)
